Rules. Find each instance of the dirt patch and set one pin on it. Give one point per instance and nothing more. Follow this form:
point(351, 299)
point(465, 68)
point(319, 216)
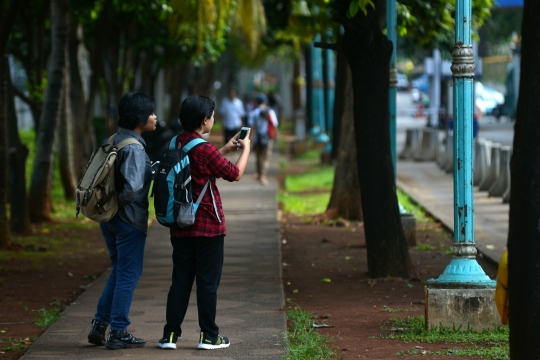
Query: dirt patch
point(355, 305)
point(40, 276)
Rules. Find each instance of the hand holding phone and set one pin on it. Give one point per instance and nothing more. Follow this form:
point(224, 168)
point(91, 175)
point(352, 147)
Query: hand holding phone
point(243, 133)
point(242, 136)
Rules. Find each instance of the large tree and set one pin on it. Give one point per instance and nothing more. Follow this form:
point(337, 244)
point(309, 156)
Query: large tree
point(41, 187)
point(368, 52)
point(345, 200)
point(8, 13)
point(17, 155)
point(524, 235)
point(30, 45)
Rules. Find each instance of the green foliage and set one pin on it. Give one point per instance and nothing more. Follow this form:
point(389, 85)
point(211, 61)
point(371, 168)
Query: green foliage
point(429, 23)
point(359, 5)
point(46, 317)
point(489, 344)
point(302, 341)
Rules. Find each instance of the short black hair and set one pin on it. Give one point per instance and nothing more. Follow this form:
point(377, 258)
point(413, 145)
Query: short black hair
point(134, 110)
point(194, 110)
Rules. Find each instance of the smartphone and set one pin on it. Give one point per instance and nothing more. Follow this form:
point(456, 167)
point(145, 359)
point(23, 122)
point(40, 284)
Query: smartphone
point(243, 133)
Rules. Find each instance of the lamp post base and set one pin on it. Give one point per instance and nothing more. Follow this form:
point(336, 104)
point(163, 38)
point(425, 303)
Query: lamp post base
point(461, 308)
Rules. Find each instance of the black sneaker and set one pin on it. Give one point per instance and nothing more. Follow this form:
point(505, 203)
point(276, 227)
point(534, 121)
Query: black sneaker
point(208, 343)
point(168, 341)
point(96, 335)
point(121, 339)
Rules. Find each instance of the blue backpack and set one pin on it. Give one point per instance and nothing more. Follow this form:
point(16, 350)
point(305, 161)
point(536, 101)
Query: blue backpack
point(173, 200)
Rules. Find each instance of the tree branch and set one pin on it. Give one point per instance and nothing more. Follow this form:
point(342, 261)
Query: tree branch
point(22, 95)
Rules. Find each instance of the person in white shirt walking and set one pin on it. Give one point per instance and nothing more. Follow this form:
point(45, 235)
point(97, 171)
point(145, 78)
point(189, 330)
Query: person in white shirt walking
point(232, 111)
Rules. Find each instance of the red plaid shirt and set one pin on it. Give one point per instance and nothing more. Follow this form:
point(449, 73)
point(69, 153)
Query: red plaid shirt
point(206, 162)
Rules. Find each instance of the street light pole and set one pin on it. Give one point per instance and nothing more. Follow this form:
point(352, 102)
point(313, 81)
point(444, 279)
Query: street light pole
point(463, 270)
point(392, 93)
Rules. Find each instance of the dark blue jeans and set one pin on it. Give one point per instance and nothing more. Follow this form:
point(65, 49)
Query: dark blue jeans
point(126, 250)
point(199, 258)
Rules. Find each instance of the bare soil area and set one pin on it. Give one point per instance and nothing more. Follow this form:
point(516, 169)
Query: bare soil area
point(359, 308)
point(39, 277)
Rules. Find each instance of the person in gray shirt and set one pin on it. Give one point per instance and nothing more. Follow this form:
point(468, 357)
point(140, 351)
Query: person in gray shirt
point(125, 234)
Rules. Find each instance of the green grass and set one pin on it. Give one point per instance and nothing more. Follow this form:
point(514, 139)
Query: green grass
point(45, 318)
point(302, 341)
point(321, 179)
point(16, 344)
point(419, 213)
point(313, 155)
point(392, 310)
point(304, 204)
point(489, 344)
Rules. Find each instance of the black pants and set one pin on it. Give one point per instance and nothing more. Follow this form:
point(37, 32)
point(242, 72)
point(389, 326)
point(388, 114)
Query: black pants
point(229, 133)
point(199, 258)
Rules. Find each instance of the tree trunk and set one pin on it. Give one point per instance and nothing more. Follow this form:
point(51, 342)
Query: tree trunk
point(65, 138)
point(346, 201)
point(179, 81)
point(368, 52)
point(84, 133)
point(17, 155)
point(5, 235)
point(7, 20)
point(40, 189)
point(523, 236)
point(297, 83)
point(204, 76)
point(343, 74)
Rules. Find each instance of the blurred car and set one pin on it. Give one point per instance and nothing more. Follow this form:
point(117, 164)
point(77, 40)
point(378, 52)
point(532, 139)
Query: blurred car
point(421, 83)
point(402, 81)
point(487, 100)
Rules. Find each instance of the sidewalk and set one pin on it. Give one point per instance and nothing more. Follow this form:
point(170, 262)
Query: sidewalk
point(432, 187)
point(250, 296)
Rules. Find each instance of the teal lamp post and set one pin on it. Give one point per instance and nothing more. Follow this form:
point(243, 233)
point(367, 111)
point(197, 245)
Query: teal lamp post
point(391, 34)
point(319, 129)
point(463, 270)
point(391, 14)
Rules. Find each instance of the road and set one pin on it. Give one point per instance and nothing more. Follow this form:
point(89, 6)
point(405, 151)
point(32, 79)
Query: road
point(498, 132)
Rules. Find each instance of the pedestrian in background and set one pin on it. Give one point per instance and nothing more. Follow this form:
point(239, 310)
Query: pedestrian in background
point(232, 111)
point(265, 122)
point(275, 102)
point(198, 249)
point(125, 233)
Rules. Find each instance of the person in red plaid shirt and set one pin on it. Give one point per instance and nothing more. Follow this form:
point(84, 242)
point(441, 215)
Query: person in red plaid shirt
point(198, 249)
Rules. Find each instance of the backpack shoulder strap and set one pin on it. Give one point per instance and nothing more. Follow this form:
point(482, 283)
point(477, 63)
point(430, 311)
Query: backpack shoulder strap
point(190, 145)
point(172, 143)
point(126, 142)
point(111, 139)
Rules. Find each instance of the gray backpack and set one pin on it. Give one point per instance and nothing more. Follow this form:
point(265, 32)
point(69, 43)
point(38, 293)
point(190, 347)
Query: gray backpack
point(96, 195)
